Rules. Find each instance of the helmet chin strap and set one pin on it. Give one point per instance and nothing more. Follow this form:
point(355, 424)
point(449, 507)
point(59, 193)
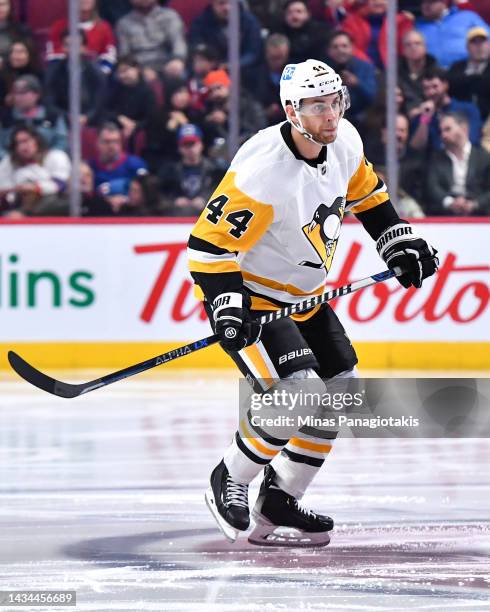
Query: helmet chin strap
point(302, 130)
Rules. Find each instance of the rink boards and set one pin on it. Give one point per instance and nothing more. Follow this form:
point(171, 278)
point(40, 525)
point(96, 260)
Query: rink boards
point(107, 293)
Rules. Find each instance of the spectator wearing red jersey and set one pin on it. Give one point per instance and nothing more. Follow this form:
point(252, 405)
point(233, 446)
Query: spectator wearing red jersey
point(368, 29)
point(100, 43)
point(203, 60)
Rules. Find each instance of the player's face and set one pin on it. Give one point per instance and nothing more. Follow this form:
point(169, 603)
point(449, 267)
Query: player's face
point(320, 117)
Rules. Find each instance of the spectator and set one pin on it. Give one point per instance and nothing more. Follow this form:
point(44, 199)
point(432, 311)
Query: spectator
point(113, 168)
point(374, 121)
point(485, 135)
point(142, 199)
point(99, 43)
point(113, 10)
point(203, 60)
point(33, 178)
point(482, 7)
point(444, 30)
point(307, 36)
point(186, 185)
point(93, 203)
point(335, 11)
point(211, 28)
point(470, 79)
point(93, 92)
point(252, 116)
point(22, 58)
point(131, 101)
point(367, 26)
point(459, 176)
point(10, 29)
point(356, 74)
point(268, 13)
point(161, 131)
point(266, 86)
point(411, 169)
point(437, 101)
point(151, 34)
point(413, 64)
point(27, 110)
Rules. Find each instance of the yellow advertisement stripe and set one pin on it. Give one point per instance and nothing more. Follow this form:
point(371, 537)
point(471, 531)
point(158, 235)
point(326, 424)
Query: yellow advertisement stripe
point(307, 445)
point(372, 355)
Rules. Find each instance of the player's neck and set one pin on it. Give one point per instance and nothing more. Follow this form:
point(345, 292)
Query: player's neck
point(306, 148)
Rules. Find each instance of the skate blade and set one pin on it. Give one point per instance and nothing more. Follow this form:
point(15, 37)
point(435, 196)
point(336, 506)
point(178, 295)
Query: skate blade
point(228, 531)
point(266, 533)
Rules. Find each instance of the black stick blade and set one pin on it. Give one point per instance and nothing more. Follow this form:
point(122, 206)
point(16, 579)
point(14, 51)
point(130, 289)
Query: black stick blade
point(42, 381)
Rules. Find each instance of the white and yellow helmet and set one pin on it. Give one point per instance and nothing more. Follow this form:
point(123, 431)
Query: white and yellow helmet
point(310, 79)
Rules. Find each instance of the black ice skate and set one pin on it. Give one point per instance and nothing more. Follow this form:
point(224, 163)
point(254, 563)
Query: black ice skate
point(276, 510)
point(228, 502)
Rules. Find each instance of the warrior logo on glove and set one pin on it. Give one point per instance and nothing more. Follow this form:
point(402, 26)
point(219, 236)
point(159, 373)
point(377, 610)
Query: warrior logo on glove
point(399, 246)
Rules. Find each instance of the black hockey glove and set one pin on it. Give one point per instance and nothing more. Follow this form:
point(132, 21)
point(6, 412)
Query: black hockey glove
point(399, 246)
point(233, 323)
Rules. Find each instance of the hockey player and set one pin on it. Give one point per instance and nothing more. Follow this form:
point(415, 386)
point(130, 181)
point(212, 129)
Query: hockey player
point(266, 239)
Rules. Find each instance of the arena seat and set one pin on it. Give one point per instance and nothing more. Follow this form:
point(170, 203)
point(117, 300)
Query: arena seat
point(188, 10)
point(40, 15)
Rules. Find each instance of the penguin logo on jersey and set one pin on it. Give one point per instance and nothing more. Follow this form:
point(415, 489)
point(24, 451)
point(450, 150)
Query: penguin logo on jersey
point(323, 232)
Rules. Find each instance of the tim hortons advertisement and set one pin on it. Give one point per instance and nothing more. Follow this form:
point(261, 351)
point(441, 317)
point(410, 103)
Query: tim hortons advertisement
point(98, 282)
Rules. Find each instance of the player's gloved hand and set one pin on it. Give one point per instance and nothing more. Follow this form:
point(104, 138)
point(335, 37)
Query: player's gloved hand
point(399, 246)
point(233, 323)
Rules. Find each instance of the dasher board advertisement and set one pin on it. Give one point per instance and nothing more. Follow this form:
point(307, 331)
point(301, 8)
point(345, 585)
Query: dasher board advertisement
point(101, 282)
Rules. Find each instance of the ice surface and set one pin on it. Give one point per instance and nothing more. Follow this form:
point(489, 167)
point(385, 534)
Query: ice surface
point(104, 494)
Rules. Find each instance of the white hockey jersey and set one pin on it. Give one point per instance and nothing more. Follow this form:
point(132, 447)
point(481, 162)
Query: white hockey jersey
point(276, 219)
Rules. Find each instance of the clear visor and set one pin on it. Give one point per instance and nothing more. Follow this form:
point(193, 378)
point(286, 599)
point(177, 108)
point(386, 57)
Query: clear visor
point(337, 105)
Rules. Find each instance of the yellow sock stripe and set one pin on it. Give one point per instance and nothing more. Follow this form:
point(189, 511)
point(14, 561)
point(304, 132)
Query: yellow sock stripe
point(258, 445)
point(313, 446)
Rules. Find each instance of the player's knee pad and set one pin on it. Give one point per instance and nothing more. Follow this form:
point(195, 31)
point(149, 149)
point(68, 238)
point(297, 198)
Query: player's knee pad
point(302, 374)
point(352, 373)
point(287, 402)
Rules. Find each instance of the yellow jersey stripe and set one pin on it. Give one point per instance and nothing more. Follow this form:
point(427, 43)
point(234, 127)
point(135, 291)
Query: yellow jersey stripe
point(371, 202)
point(272, 284)
point(362, 182)
point(215, 267)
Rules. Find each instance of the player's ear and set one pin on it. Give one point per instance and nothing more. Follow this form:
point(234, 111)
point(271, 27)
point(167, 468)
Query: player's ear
point(291, 113)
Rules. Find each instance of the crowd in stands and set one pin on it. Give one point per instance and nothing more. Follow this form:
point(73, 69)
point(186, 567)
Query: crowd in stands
point(155, 98)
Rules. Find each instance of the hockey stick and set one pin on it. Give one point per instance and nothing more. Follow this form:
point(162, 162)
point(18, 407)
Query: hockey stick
point(68, 390)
